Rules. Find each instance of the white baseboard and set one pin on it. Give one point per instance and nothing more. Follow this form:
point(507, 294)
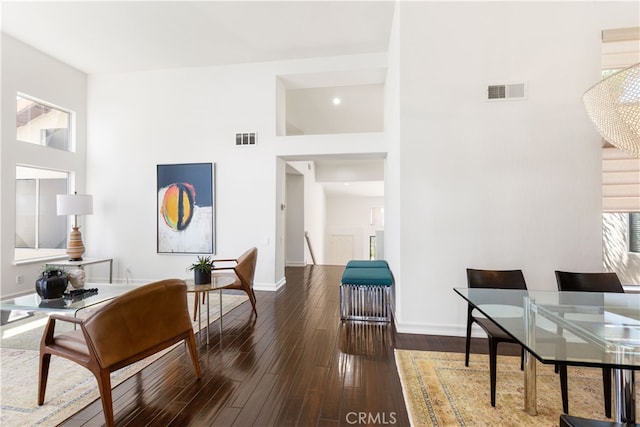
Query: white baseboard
point(444, 330)
point(296, 264)
point(131, 282)
point(271, 287)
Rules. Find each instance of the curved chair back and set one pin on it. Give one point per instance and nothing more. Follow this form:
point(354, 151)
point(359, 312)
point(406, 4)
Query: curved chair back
point(138, 321)
point(246, 267)
point(498, 279)
point(588, 282)
point(131, 327)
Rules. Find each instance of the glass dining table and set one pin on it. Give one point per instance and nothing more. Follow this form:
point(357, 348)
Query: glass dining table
point(594, 329)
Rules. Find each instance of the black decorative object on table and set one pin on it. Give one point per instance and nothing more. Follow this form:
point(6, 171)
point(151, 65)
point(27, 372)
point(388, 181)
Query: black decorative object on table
point(51, 284)
point(80, 293)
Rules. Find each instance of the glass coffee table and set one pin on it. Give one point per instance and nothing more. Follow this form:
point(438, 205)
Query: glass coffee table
point(218, 282)
point(69, 305)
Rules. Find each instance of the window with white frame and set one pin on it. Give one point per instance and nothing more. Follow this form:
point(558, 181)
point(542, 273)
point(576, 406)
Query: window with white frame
point(43, 124)
point(39, 232)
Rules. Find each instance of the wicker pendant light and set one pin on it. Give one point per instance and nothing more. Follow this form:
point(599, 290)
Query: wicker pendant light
point(614, 107)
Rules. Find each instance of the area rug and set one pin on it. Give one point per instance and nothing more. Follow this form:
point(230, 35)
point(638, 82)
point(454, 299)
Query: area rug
point(70, 387)
point(440, 391)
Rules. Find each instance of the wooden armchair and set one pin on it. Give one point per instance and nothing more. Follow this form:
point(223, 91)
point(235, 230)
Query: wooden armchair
point(127, 329)
point(244, 268)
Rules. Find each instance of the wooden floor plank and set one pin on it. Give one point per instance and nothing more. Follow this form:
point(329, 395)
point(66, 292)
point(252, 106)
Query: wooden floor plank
point(296, 364)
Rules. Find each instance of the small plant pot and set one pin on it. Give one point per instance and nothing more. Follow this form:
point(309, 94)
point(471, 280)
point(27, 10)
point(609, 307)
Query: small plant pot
point(201, 277)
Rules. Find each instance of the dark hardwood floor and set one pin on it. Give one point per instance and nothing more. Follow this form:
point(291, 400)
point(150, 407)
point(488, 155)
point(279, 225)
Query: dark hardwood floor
point(297, 364)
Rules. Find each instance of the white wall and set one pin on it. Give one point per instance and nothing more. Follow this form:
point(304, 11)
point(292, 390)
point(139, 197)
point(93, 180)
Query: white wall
point(495, 185)
point(350, 215)
point(294, 218)
point(30, 72)
point(311, 112)
point(139, 120)
point(392, 179)
point(315, 216)
point(314, 210)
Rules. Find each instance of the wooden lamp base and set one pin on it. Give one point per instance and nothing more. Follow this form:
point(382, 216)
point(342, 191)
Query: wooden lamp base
point(75, 248)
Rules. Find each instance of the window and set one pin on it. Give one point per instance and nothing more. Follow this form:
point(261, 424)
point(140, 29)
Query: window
point(42, 124)
point(634, 232)
point(372, 247)
point(40, 232)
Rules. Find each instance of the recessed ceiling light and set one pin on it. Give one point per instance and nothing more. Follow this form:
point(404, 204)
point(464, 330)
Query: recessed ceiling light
point(336, 101)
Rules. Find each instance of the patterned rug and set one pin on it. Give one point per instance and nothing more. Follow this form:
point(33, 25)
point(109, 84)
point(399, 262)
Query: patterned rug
point(440, 391)
point(70, 387)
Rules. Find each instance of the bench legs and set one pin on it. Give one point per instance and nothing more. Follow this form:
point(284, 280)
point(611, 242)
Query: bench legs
point(365, 302)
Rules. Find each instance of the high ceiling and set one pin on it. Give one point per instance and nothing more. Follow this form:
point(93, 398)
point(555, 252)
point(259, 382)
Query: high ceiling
point(99, 37)
point(118, 36)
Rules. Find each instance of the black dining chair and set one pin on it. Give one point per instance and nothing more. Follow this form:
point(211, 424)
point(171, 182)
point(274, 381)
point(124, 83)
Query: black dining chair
point(593, 282)
point(500, 279)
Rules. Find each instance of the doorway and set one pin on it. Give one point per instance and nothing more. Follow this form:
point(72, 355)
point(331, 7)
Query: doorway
point(332, 200)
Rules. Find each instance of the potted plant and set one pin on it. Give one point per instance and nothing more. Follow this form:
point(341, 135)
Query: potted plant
point(52, 283)
point(202, 270)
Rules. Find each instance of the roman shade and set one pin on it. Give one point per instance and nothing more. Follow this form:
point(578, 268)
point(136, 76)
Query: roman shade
point(620, 181)
point(620, 48)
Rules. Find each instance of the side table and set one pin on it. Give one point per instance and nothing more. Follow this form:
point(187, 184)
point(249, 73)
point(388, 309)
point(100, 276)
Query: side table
point(85, 261)
point(218, 282)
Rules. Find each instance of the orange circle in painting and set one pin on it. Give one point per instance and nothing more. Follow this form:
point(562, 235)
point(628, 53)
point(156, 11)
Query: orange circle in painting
point(177, 205)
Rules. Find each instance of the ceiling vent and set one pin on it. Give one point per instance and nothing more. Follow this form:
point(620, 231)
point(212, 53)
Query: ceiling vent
point(246, 138)
point(506, 91)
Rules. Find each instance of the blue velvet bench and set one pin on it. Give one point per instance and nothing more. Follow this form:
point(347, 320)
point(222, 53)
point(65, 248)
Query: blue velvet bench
point(365, 291)
point(363, 263)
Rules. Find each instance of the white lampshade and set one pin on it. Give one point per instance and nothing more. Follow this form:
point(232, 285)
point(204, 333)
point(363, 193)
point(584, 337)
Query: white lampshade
point(74, 204)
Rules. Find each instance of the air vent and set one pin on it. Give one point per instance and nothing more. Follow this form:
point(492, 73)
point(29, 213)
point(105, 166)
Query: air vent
point(246, 138)
point(506, 91)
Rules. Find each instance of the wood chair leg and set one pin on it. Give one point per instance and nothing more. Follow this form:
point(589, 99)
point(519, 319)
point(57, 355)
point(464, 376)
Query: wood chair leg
point(191, 345)
point(493, 360)
point(564, 387)
point(45, 360)
point(104, 385)
point(467, 344)
point(195, 306)
point(521, 358)
point(252, 299)
point(606, 384)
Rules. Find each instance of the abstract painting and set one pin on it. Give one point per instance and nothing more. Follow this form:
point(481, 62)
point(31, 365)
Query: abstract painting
point(185, 208)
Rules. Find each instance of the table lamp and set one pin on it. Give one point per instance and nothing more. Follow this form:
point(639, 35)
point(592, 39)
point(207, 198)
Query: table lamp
point(74, 204)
